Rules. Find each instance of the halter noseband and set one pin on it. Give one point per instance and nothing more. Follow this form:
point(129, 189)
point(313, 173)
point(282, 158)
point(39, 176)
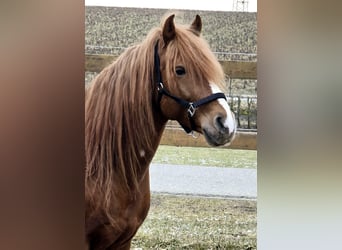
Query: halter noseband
point(190, 106)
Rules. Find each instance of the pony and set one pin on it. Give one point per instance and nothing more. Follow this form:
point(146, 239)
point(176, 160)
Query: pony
point(171, 75)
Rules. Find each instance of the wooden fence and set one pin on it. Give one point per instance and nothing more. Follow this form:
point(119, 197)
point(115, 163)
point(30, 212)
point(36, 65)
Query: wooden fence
point(240, 70)
point(174, 135)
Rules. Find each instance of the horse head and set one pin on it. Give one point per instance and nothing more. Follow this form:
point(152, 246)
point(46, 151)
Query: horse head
point(190, 82)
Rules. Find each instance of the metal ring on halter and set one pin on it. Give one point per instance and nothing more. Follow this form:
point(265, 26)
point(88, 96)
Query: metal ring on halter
point(191, 110)
point(160, 86)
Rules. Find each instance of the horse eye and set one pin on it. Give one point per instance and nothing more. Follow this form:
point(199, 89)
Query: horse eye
point(180, 71)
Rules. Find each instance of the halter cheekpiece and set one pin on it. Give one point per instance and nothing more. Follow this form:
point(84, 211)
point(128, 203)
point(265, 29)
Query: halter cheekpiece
point(189, 106)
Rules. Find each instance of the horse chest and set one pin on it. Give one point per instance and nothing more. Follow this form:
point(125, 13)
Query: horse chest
point(132, 216)
point(134, 209)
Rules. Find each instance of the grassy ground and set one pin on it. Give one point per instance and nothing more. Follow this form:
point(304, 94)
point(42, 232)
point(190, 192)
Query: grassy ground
point(179, 222)
point(206, 157)
point(183, 222)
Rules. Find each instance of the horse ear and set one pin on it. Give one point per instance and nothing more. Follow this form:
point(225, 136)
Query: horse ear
point(169, 30)
point(196, 25)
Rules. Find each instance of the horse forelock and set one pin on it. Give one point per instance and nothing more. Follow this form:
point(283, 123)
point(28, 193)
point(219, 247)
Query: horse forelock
point(194, 52)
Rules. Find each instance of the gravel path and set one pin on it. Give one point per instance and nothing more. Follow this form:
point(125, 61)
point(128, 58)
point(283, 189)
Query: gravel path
point(204, 181)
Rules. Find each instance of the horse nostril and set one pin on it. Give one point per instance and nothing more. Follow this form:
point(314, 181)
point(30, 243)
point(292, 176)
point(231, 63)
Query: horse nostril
point(219, 123)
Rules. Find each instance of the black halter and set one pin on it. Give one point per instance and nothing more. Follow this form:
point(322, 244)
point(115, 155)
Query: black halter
point(190, 106)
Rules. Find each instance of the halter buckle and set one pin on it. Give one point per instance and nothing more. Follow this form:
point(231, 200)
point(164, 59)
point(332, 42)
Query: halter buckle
point(191, 110)
point(160, 86)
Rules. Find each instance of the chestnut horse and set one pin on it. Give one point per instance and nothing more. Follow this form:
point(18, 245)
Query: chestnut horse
point(171, 75)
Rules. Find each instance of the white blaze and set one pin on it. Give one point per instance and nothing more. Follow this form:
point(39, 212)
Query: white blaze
point(230, 121)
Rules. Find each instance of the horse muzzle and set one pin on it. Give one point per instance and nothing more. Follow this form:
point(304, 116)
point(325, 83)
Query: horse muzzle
point(219, 133)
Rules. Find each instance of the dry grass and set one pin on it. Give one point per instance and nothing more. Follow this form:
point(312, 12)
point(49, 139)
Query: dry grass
point(181, 222)
point(123, 27)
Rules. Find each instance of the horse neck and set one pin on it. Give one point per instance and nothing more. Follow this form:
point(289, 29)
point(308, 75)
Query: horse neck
point(159, 120)
point(147, 151)
point(130, 119)
point(159, 124)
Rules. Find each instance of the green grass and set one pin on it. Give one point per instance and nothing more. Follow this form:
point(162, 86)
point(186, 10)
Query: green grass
point(180, 222)
point(217, 157)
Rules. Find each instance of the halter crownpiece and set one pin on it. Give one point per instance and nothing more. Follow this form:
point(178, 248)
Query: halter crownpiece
point(189, 106)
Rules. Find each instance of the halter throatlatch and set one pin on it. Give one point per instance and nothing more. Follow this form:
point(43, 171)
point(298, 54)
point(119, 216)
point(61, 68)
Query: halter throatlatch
point(189, 106)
